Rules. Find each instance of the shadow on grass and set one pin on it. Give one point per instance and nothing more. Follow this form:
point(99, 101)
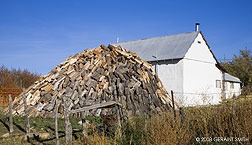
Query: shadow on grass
point(5, 125)
point(74, 132)
point(53, 130)
point(44, 141)
point(8, 128)
point(35, 138)
point(19, 127)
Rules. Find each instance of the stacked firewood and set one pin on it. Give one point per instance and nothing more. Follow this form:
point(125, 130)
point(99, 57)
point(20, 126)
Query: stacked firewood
point(96, 76)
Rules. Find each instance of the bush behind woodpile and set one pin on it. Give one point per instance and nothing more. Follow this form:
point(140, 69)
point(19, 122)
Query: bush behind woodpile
point(10, 78)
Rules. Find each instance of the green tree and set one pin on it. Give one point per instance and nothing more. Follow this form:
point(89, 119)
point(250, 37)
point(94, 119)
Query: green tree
point(241, 67)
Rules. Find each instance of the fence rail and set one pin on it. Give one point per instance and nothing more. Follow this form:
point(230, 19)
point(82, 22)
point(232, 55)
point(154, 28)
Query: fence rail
point(4, 95)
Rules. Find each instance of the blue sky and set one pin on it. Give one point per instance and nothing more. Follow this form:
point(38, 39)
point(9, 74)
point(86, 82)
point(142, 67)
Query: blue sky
point(39, 34)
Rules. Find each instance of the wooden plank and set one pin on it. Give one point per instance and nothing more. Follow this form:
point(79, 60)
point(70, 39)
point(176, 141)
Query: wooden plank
point(96, 106)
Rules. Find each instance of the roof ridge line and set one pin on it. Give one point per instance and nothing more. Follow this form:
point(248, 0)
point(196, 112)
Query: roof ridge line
point(155, 37)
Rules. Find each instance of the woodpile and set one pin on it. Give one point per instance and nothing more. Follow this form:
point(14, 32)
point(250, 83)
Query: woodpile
point(96, 76)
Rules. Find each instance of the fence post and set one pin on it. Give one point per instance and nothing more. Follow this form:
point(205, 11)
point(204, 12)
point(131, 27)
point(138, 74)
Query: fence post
point(27, 124)
point(56, 122)
point(116, 94)
point(82, 114)
point(233, 115)
point(145, 122)
point(10, 114)
point(68, 127)
point(84, 124)
point(233, 105)
point(173, 105)
point(182, 114)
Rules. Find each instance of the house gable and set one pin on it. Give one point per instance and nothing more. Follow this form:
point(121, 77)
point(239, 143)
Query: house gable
point(200, 75)
point(200, 51)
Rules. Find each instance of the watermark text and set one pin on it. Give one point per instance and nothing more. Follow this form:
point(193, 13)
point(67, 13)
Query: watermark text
point(222, 139)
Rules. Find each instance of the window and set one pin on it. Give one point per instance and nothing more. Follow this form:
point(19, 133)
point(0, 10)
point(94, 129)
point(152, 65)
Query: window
point(231, 85)
point(218, 84)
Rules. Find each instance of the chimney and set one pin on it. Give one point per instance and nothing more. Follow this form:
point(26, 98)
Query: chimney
point(197, 27)
point(117, 39)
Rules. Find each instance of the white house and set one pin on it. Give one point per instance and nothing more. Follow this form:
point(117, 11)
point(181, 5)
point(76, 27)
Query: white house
point(187, 66)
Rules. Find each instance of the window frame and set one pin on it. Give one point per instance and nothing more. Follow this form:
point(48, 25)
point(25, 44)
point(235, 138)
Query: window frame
point(231, 85)
point(218, 83)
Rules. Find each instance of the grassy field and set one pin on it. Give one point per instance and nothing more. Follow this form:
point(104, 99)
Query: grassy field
point(41, 125)
point(199, 125)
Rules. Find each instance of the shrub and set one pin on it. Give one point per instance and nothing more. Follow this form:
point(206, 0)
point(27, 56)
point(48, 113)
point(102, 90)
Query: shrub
point(12, 78)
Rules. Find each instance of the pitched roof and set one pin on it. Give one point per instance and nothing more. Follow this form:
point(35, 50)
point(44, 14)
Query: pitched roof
point(231, 78)
point(161, 48)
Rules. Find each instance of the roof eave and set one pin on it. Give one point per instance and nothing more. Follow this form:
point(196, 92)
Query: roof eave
point(217, 62)
point(163, 60)
point(232, 81)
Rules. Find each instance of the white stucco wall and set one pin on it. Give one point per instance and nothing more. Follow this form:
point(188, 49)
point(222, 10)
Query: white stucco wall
point(200, 75)
point(171, 75)
point(229, 91)
point(237, 89)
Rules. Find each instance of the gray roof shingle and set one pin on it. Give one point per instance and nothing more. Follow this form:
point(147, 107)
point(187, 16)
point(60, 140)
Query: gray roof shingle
point(161, 48)
point(231, 78)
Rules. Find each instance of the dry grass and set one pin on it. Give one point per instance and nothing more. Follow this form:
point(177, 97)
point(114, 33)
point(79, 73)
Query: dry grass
point(209, 123)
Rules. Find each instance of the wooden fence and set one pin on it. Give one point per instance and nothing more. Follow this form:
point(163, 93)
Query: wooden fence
point(67, 112)
point(4, 95)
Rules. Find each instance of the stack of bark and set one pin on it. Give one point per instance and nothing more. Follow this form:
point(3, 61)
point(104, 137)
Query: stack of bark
point(96, 76)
